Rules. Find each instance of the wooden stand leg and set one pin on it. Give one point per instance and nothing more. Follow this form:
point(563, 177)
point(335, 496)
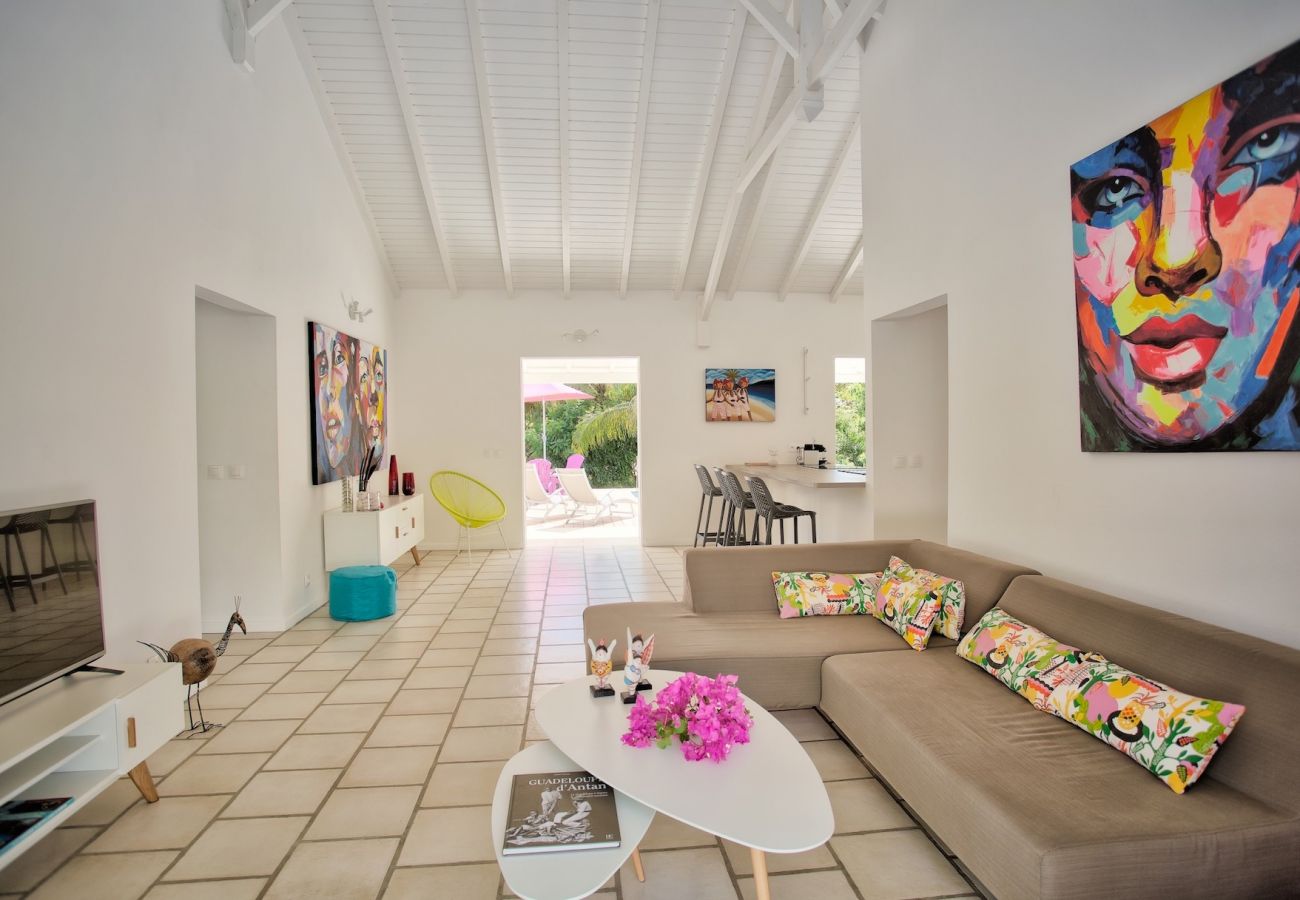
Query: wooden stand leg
point(143, 781)
point(636, 864)
point(415, 555)
point(761, 889)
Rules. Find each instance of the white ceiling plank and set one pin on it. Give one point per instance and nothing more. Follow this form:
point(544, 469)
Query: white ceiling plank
point(776, 25)
point(262, 13)
point(340, 150)
point(711, 144)
point(842, 162)
point(566, 246)
point(771, 138)
point(384, 15)
point(841, 37)
point(489, 141)
point(849, 268)
point(638, 145)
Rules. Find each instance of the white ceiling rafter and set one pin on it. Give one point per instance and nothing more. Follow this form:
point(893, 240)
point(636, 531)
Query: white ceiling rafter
point(385, 18)
point(837, 42)
point(734, 42)
point(842, 162)
point(638, 142)
point(489, 140)
point(850, 267)
point(776, 24)
point(299, 41)
point(562, 41)
point(247, 22)
point(767, 181)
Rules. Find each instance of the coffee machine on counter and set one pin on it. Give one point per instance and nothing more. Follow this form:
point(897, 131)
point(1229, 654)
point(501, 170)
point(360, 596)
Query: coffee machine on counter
point(811, 455)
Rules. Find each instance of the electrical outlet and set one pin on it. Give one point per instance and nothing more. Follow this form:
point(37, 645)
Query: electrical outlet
point(900, 462)
point(237, 470)
point(916, 461)
point(216, 473)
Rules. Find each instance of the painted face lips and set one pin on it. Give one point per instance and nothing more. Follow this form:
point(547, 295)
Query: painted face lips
point(1175, 354)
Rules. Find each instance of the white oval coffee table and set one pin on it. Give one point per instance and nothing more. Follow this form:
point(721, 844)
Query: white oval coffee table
point(767, 795)
point(570, 874)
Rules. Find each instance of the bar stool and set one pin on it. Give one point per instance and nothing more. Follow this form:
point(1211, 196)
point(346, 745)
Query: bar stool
point(710, 490)
point(738, 500)
point(76, 518)
point(765, 508)
point(29, 523)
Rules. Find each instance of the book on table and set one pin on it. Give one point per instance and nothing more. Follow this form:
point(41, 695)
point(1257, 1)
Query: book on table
point(18, 817)
point(552, 811)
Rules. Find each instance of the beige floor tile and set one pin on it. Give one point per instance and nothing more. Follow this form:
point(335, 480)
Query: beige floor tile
point(309, 682)
point(562, 636)
point(109, 804)
point(430, 700)
point(482, 686)
point(666, 833)
point(105, 876)
point(509, 647)
point(462, 784)
point(365, 813)
point(562, 653)
point(240, 889)
point(407, 635)
point(374, 626)
point(474, 882)
point(316, 751)
point(457, 641)
point(699, 874)
point(257, 673)
point(214, 774)
point(448, 836)
point(58, 847)
point(342, 717)
point(232, 696)
point(383, 766)
point(238, 848)
point(464, 626)
point(864, 805)
point(464, 656)
point(340, 870)
point(420, 620)
point(497, 711)
point(365, 691)
point(742, 863)
point(409, 731)
point(248, 737)
point(403, 650)
point(831, 885)
point(438, 677)
point(891, 865)
point(169, 824)
point(835, 761)
point(554, 673)
point(348, 644)
point(281, 706)
point(318, 662)
point(381, 668)
point(279, 655)
point(290, 793)
point(469, 744)
point(806, 724)
point(172, 754)
point(519, 664)
point(301, 638)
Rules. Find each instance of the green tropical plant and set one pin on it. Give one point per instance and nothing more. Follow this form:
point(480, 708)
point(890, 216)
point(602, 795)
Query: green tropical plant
point(610, 463)
point(851, 424)
point(605, 426)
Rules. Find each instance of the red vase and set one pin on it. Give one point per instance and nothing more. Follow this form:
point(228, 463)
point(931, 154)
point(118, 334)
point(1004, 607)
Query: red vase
point(392, 474)
point(408, 483)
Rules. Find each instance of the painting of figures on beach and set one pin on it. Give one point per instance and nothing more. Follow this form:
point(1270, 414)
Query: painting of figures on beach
point(1186, 282)
point(349, 401)
point(740, 395)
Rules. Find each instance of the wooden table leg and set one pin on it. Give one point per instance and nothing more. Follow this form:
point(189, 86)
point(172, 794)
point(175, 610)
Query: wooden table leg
point(636, 864)
point(415, 555)
point(143, 780)
point(761, 889)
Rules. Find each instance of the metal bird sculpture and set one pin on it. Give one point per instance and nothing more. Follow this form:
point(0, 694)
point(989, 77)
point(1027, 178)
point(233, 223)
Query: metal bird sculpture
point(198, 659)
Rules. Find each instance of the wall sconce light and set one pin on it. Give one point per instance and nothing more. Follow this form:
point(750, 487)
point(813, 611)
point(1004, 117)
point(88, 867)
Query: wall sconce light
point(579, 336)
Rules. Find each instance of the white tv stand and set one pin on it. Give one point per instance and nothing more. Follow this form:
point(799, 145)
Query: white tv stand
point(77, 735)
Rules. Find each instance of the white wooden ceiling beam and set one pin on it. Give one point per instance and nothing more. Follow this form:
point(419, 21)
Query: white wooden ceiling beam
point(262, 13)
point(767, 181)
point(847, 272)
point(638, 141)
point(489, 137)
point(841, 165)
point(384, 15)
point(775, 24)
point(336, 140)
point(854, 18)
point(738, 22)
point(241, 42)
point(771, 138)
point(562, 39)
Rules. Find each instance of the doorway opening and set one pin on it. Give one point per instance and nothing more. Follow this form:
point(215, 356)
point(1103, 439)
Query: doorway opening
point(581, 465)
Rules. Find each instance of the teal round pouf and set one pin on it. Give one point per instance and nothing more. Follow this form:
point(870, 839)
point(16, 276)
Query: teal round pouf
point(362, 593)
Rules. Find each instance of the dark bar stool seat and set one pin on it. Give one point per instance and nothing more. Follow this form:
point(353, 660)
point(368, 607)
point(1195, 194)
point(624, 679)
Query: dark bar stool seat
point(768, 510)
point(710, 490)
point(738, 501)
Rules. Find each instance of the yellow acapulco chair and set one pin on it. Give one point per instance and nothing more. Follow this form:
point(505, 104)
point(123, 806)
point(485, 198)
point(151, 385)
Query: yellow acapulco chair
point(470, 502)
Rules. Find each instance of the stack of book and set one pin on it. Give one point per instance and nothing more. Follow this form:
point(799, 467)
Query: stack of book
point(552, 811)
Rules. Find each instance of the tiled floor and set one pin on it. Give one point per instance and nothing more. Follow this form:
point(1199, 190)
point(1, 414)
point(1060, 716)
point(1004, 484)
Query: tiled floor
point(358, 761)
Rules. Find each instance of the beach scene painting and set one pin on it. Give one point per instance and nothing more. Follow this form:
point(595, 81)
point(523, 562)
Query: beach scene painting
point(740, 395)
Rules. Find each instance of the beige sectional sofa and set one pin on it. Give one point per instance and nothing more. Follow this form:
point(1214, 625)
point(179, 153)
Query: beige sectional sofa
point(1033, 806)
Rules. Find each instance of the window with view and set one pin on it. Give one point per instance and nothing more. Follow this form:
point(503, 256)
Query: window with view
point(850, 411)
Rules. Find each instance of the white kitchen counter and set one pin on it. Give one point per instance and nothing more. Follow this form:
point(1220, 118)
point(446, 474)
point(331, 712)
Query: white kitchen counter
point(839, 498)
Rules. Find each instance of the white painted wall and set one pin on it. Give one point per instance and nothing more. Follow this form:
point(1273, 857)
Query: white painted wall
point(239, 518)
point(138, 161)
point(975, 112)
point(458, 365)
point(910, 356)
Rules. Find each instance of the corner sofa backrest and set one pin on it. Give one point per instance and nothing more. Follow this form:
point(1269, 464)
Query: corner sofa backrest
point(986, 579)
point(1190, 656)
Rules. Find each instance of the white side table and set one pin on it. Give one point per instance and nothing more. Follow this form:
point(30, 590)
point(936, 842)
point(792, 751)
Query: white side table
point(563, 875)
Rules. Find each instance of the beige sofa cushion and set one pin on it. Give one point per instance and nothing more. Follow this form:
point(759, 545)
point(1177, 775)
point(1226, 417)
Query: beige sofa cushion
point(1037, 808)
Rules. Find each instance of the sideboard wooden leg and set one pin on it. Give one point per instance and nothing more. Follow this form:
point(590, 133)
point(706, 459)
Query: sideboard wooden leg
point(143, 780)
point(761, 889)
point(415, 555)
point(636, 864)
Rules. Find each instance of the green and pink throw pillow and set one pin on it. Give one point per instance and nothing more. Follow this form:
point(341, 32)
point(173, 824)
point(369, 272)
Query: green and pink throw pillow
point(825, 593)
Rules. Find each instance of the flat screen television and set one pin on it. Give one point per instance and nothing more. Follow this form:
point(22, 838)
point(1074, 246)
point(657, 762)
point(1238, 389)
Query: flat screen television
point(51, 619)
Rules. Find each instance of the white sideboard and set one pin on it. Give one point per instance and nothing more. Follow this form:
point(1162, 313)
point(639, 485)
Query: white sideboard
point(374, 538)
point(78, 734)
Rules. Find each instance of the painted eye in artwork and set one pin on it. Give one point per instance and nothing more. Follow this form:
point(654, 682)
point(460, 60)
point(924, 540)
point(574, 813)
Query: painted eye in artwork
point(1114, 198)
point(1270, 144)
point(1115, 192)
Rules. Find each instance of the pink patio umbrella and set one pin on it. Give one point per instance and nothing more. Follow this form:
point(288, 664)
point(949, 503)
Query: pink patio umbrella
point(540, 393)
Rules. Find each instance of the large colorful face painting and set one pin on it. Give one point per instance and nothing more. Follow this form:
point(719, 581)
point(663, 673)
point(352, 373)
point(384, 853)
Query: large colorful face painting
point(1186, 236)
point(349, 401)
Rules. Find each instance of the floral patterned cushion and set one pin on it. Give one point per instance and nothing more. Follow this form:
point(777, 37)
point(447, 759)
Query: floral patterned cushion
point(907, 603)
point(825, 593)
point(1171, 734)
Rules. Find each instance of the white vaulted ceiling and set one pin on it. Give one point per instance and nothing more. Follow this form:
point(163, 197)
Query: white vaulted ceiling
point(584, 145)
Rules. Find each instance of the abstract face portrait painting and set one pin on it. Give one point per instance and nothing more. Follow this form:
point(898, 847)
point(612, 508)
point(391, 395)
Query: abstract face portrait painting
point(349, 401)
point(1186, 238)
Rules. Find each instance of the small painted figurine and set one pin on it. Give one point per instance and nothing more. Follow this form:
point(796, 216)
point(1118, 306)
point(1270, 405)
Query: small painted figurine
point(601, 666)
point(637, 667)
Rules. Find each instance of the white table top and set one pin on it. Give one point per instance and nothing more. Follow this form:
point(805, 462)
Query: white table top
point(803, 476)
point(767, 794)
point(567, 874)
